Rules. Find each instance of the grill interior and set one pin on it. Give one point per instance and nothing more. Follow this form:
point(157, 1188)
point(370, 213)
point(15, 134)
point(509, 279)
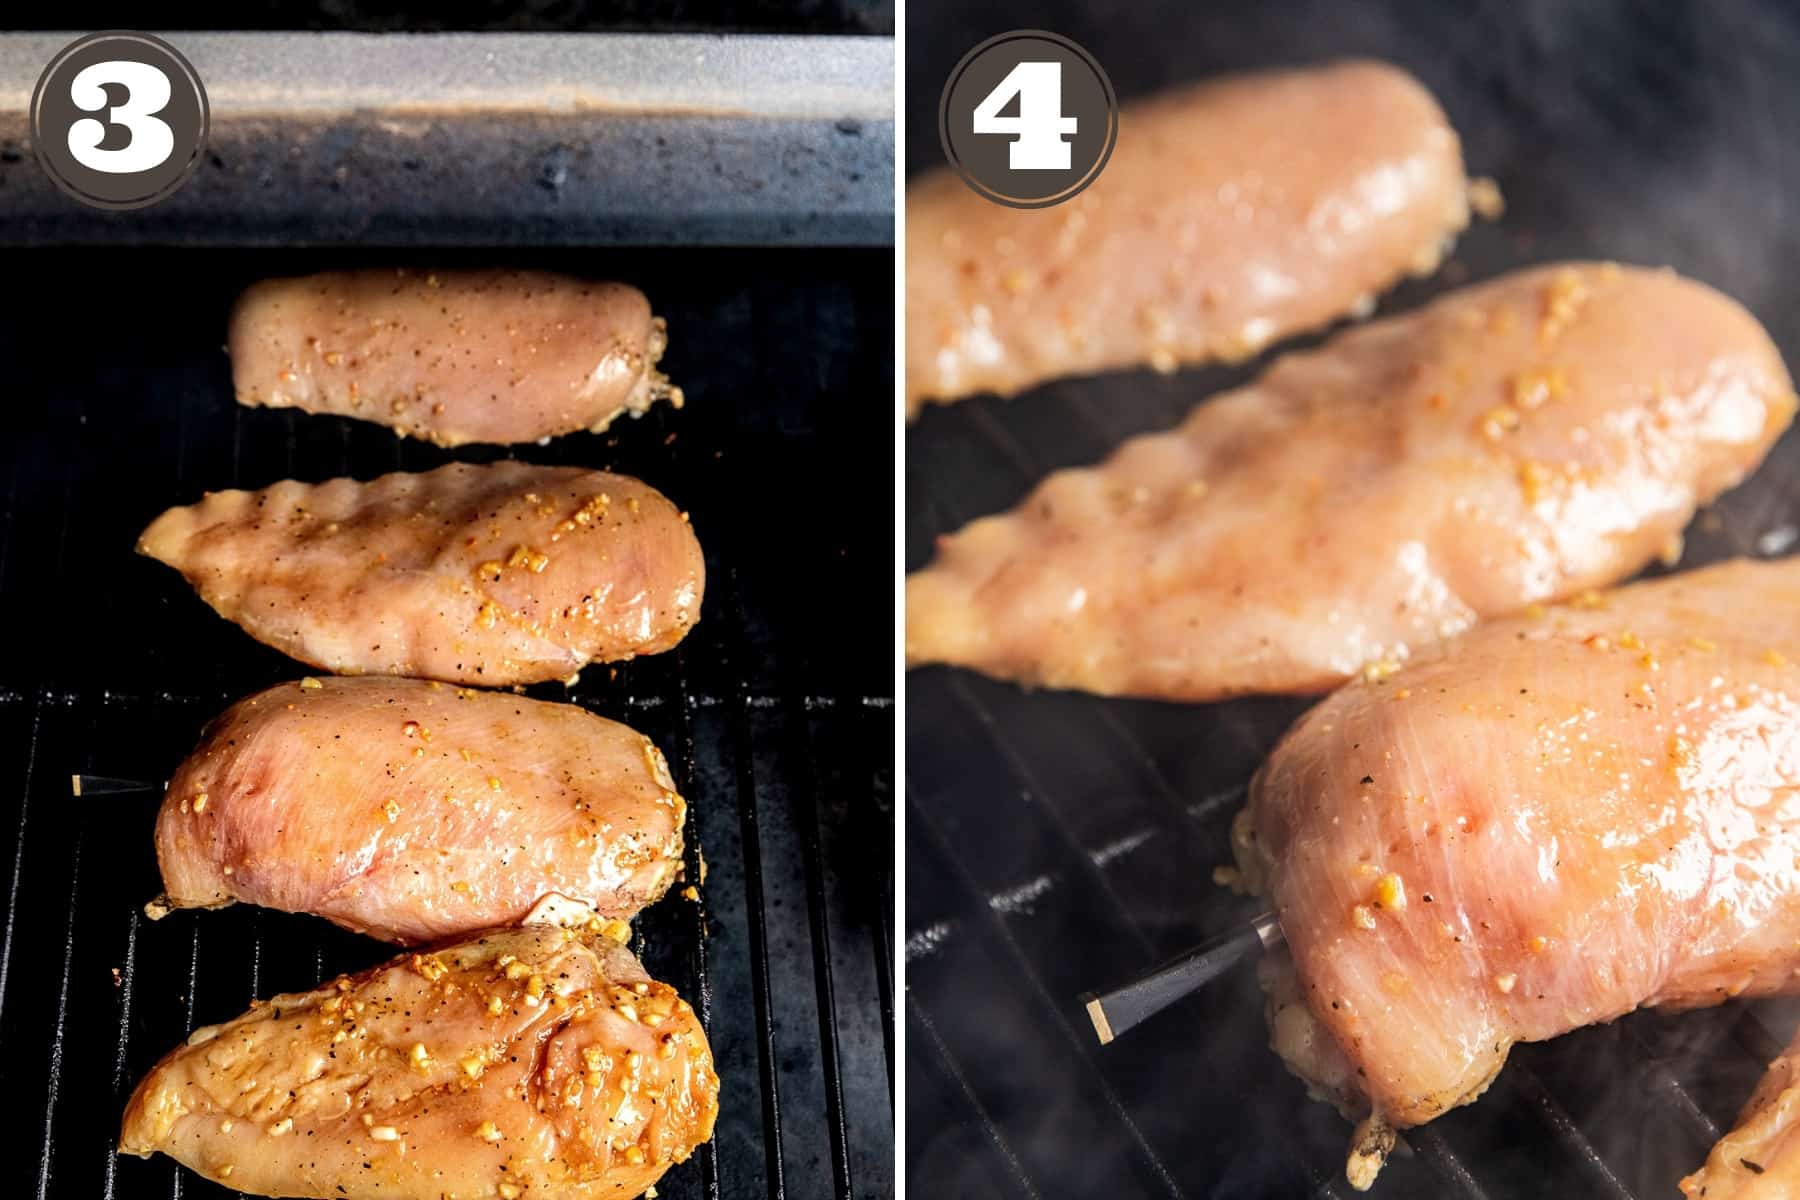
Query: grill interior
point(1060, 843)
point(775, 713)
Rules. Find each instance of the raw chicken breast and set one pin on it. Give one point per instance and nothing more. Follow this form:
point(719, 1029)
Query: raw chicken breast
point(1760, 1158)
point(498, 574)
point(1546, 823)
point(412, 811)
point(1514, 442)
point(535, 1063)
point(451, 356)
point(1232, 213)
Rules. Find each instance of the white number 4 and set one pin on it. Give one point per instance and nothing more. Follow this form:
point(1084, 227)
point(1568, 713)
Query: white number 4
point(1038, 130)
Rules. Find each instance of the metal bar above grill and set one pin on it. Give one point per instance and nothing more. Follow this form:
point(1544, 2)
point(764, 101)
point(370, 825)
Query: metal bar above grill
point(517, 139)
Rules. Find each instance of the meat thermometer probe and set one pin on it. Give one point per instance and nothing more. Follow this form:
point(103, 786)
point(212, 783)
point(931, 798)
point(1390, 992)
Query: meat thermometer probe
point(1120, 1009)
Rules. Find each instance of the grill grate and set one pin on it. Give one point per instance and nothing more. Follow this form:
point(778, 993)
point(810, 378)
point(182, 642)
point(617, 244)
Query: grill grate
point(1058, 842)
point(781, 741)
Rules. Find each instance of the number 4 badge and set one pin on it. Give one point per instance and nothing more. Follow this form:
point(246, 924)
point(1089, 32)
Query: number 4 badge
point(1028, 118)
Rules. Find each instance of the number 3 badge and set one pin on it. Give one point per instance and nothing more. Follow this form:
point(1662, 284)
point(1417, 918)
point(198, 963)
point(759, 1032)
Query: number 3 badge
point(119, 119)
point(1028, 118)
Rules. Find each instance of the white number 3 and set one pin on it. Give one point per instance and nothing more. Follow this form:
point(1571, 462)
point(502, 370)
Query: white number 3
point(1038, 130)
point(147, 92)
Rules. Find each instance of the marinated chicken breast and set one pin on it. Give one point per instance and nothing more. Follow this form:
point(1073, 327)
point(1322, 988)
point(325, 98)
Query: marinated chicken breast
point(498, 574)
point(412, 812)
point(1760, 1158)
point(1516, 442)
point(1231, 214)
point(451, 356)
point(533, 1062)
point(1546, 823)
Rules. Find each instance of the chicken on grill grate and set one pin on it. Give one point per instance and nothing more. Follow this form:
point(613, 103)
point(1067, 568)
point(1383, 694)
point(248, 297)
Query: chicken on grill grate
point(413, 811)
point(495, 575)
point(1513, 442)
point(452, 356)
point(1232, 214)
point(535, 1062)
point(1547, 823)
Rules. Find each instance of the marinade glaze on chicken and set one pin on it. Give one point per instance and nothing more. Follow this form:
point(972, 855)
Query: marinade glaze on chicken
point(1548, 822)
point(499, 574)
point(1232, 213)
point(1511, 443)
point(414, 811)
point(539, 1063)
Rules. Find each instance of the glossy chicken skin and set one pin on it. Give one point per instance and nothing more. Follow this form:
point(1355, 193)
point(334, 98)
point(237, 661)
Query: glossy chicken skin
point(413, 811)
point(1231, 214)
point(1760, 1158)
point(498, 574)
point(1546, 823)
point(451, 356)
point(1515, 442)
point(534, 1062)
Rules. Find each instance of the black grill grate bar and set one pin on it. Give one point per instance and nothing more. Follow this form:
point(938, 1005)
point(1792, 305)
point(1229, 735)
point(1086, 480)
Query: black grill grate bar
point(988, 1127)
point(685, 758)
point(121, 1055)
point(1023, 773)
point(1431, 1146)
point(1080, 1039)
point(187, 1002)
point(18, 866)
point(819, 925)
point(883, 946)
point(1524, 1082)
point(1675, 1095)
point(62, 1019)
point(109, 697)
point(1754, 1038)
point(743, 752)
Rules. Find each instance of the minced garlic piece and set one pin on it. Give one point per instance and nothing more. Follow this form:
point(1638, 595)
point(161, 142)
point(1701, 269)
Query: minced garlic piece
point(1390, 892)
point(309, 684)
point(1485, 199)
point(1362, 916)
point(1531, 389)
point(1498, 421)
point(1379, 670)
point(1506, 982)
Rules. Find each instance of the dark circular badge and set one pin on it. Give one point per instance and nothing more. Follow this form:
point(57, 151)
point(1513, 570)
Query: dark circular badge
point(119, 119)
point(1028, 118)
